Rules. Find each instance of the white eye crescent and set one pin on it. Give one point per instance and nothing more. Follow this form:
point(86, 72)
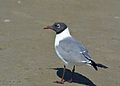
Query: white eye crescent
point(58, 25)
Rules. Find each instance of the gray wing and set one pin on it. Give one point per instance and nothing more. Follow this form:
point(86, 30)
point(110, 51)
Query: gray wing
point(73, 51)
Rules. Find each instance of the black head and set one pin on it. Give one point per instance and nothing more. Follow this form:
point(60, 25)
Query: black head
point(58, 27)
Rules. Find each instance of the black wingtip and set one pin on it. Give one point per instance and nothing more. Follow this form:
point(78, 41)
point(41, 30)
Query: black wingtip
point(94, 65)
point(102, 66)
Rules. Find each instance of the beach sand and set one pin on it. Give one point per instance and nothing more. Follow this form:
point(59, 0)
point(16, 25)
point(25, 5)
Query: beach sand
point(27, 55)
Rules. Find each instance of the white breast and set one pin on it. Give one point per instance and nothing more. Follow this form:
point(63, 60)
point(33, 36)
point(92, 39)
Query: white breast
point(60, 37)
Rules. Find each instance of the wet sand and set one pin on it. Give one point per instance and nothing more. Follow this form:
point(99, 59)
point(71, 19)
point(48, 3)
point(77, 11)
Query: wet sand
point(27, 56)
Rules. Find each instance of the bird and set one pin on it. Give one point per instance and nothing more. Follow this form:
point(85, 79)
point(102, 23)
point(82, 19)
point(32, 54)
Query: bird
point(69, 50)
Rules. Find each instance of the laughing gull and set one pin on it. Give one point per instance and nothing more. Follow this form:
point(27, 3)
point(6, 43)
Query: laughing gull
point(69, 50)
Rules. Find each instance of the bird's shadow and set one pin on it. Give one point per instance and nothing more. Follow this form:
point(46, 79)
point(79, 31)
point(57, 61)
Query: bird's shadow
point(77, 78)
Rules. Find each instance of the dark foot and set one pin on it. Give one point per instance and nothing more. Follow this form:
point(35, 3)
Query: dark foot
point(59, 82)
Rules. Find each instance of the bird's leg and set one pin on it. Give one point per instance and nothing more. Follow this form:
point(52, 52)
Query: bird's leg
point(73, 70)
point(62, 79)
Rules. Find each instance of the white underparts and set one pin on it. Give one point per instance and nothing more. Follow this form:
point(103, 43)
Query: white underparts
point(61, 36)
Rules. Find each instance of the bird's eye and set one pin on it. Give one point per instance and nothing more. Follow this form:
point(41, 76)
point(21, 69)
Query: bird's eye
point(57, 25)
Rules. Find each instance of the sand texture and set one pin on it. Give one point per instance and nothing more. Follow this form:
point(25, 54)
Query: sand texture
point(27, 55)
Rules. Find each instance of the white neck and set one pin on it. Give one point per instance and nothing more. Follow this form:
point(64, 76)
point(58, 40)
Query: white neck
point(61, 36)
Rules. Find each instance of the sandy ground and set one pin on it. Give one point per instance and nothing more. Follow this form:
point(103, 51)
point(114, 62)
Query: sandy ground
point(27, 56)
